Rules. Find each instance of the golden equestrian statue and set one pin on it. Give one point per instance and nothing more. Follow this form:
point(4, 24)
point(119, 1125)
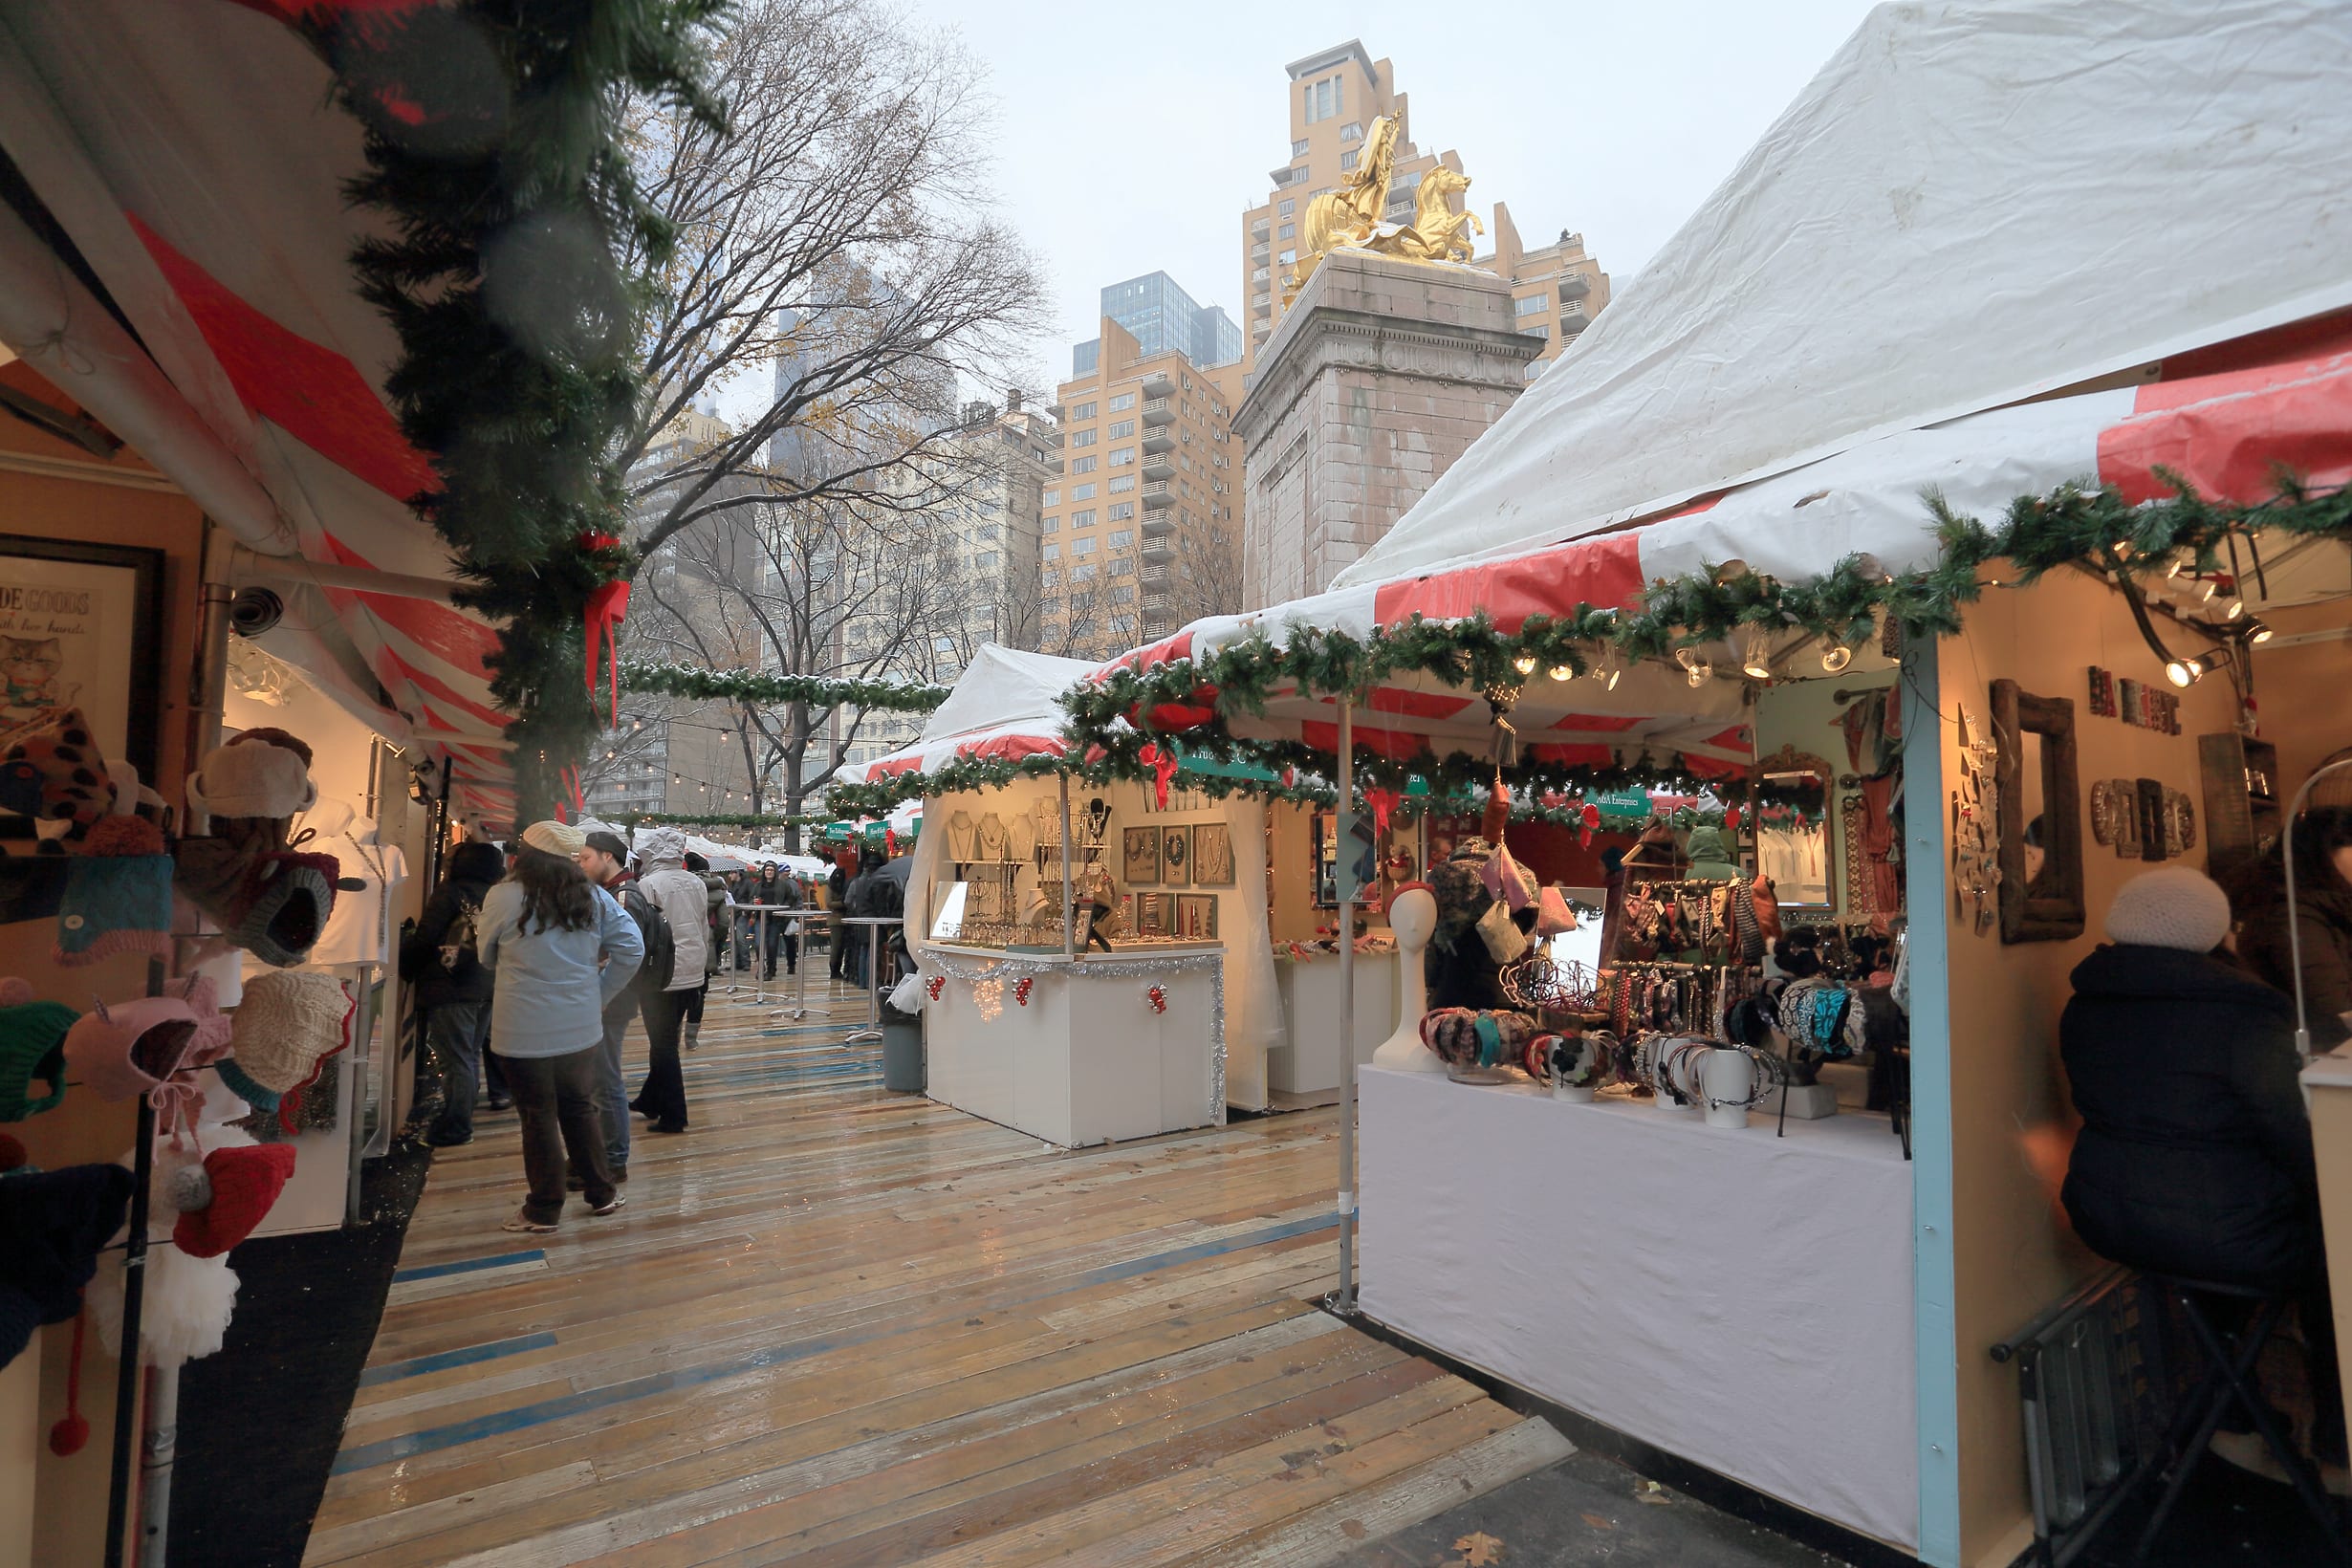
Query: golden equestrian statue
point(1351, 215)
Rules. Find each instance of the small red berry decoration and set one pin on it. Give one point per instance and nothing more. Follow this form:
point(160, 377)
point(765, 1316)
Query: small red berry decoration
point(1020, 989)
point(1157, 995)
point(935, 984)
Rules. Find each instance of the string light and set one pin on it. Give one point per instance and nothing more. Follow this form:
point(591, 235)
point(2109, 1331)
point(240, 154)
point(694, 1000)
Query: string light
point(1609, 667)
point(1753, 645)
point(1562, 672)
point(1524, 664)
point(1834, 656)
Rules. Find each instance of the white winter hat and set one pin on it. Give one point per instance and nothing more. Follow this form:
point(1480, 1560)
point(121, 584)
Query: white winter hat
point(553, 837)
point(2175, 907)
point(250, 777)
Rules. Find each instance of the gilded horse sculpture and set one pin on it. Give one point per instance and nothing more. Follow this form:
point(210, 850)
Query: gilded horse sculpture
point(1437, 233)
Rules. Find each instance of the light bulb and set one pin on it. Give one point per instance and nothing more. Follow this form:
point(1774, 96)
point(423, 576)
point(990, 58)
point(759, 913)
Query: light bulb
point(1753, 644)
point(2257, 631)
point(1608, 665)
point(2205, 593)
point(2182, 672)
point(1561, 672)
point(1700, 675)
point(2236, 608)
point(2174, 569)
point(1524, 664)
point(1688, 657)
point(1835, 657)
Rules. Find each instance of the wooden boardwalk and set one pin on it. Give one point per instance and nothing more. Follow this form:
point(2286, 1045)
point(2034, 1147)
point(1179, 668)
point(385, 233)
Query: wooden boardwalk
point(840, 1326)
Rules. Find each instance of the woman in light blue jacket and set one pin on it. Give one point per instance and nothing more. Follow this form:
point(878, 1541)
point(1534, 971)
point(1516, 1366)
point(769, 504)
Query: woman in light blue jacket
point(561, 950)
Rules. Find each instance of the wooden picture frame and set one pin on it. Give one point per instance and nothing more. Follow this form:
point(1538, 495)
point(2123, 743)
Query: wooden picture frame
point(1140, 861)
point(1151, 914)
point(1212, 854)
point(1196, 916)
point(1176, 856)
point(80, 628)
point(2049, 905)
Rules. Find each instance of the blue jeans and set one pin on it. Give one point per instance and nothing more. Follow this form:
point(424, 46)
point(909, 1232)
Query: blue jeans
point(453, 1034)
point(612, 1096)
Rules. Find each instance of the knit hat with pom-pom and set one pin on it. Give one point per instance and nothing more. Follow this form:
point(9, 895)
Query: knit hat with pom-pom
point(246, 1183)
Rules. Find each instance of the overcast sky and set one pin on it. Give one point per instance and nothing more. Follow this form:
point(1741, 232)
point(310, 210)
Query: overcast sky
point(1616, 120)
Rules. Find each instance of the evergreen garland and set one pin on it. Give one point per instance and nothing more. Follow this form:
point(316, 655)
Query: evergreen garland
point(1118, 715)
point(747, 687)
point(494, 144)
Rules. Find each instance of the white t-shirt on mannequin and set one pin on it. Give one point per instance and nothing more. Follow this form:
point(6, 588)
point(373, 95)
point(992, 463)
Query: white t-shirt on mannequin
point(360, 927)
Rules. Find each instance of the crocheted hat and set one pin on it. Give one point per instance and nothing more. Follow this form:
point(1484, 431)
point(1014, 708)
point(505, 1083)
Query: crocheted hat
point(555, 839)
point(282, 906)
point(32, 1046)
point(151, 1045)
point(262, 773)
point(246, 1183)
point(58, 773)
point(117, 894)
point(52, 1225)
point(2174, 908)
point(287, 1025)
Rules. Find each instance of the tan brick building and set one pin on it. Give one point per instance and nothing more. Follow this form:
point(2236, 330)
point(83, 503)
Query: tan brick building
point(1142, 530)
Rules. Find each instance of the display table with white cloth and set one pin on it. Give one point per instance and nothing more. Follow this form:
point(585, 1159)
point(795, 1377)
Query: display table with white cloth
point(1086, 1057)
point(1740, 1301)
point(1307, 1062)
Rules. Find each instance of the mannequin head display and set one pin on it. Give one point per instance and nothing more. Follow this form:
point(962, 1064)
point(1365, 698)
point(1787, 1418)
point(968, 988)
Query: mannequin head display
point(1412, 915)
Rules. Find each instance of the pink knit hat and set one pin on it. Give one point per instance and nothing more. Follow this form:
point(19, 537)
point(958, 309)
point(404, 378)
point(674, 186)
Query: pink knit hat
point(152, 1045)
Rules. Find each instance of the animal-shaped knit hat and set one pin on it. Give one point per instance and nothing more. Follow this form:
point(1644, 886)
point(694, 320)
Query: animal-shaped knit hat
point(117, 894)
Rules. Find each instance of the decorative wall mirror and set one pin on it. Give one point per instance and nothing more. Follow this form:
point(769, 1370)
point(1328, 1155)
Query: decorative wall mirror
point(2041, 816)
point(1793, 844)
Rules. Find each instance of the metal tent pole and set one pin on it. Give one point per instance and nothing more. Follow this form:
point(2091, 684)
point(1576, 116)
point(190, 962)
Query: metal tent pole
point(1069, 912)
point(1344, 877)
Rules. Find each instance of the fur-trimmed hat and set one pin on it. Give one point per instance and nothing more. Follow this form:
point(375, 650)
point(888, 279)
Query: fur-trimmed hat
point(256, 775)
point(117, 894)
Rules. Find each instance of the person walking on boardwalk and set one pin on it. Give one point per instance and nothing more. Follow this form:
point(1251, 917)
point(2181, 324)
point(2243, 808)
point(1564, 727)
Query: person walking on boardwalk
point(679, 895)
point(560, 950)
point(607, 860)
point(442, 958)
point(715, 902)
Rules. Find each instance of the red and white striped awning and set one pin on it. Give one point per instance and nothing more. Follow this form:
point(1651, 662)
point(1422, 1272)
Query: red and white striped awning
point(192, 157)
point(2222, 418)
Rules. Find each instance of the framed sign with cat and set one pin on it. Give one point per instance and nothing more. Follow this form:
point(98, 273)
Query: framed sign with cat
point(79, 626)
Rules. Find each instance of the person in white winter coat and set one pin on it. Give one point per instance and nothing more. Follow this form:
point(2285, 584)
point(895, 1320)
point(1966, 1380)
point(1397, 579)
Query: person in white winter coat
point(685, 903)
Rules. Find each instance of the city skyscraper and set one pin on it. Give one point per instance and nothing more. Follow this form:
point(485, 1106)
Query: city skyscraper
point(1162, 318)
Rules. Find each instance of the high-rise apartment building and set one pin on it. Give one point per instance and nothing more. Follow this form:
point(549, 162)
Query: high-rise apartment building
point(1335, 95)
point(1141, 533)
point(1163, 320)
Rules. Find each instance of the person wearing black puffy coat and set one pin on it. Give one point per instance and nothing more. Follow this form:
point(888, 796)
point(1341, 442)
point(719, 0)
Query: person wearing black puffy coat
point(452, 989)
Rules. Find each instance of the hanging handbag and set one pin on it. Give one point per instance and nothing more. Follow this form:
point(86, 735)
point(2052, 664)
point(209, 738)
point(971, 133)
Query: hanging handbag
point(1504, 940)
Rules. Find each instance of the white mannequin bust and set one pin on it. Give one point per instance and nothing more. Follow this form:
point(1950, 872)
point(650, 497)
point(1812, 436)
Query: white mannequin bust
point(1412, 914)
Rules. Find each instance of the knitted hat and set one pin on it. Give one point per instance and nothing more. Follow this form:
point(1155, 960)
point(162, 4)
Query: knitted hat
point(287, 1025)
point(32, 1046)
point(52, 1225)
point(282, 906)
point(246, 1183)
point(58, 773)
point(2174, 908)
point(151, 1045)
point(555, 839)
point(254, 775)
point(117, 894)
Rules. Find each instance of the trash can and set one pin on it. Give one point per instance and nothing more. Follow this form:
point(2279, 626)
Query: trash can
point(901, 1051)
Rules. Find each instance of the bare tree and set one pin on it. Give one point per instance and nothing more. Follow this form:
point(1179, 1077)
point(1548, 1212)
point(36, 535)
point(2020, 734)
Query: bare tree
point(839, 231)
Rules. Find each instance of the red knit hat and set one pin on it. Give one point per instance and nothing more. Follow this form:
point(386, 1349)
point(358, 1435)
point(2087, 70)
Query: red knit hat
point(246, 1183)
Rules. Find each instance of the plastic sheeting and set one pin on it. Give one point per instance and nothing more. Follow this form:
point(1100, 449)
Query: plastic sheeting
point(1970, 205)
point(1741, 1300)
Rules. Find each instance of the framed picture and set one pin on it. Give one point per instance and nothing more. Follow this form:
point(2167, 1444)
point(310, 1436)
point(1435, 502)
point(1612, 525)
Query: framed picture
point(1151, 914)
point(1142, 862)
point(1175, 855)
point(1196, 916)
point(78, 630)
point(1212, 854)
point(1126, 913)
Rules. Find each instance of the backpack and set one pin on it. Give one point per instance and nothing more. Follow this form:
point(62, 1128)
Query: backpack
point(661, 947)
point(458, 953)
point(879, 894)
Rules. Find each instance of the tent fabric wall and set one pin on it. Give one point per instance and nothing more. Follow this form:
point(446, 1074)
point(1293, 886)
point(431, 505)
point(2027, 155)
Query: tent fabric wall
point(1970, 206)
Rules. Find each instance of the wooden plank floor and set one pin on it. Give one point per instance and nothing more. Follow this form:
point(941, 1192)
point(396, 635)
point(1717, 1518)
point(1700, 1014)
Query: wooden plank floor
point(840, 1326)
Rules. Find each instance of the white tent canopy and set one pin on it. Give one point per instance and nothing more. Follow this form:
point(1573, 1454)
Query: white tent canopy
point(1970, 206)
point(1003, 705)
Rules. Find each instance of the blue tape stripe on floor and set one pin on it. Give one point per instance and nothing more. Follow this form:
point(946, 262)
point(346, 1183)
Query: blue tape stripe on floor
point(433, 1439)
point(417, 1366)
point(496, 1260)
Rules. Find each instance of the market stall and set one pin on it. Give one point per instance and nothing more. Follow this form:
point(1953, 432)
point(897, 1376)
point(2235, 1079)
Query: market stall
point(1694, 551)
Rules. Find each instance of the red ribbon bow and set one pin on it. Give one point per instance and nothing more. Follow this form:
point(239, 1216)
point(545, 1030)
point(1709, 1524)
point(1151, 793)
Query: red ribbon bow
point(607, 603)
point(1162, 761)
point(1381, 802)
point(1590, 817)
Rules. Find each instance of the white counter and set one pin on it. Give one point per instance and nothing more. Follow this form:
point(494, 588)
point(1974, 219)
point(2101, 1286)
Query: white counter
point(1741, 1300)
point(1085, 1058)
point(1307, 1062)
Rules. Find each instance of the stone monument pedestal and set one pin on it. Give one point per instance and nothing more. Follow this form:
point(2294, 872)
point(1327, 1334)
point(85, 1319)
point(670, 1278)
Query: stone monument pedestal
point(1379, 377)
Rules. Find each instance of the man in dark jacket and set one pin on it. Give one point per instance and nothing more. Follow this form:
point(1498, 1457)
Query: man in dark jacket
point(837, 908)
point(453, 986)
point(2195, 1155)
point(2323, 918)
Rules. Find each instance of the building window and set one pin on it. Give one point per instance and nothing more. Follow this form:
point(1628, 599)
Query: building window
point(1122, 454)
point(1541, 329)
point(1325, 98)
point(1083, 492)
point(985, 560)
point(1082, 519)
point(1049, 525)
point(1084, 412)
point(1081, 547)
point(1082, 438)
point(1081, 574)
point(1082, 465)
point(1052, 551)
point(1118, 510)
point(1289, 207)
point(1121, 482)
point(1123, 593)
point(1121, 538)
point(1299, 149)
point(1347, 159)
point(1125, 400)
point(1290, 231)
point(1287, 257)
point(1051, 499)
point(1352, 131)
point(1122, 427)
point(1531, 304)
point(1258, 274)
point(987, 531)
